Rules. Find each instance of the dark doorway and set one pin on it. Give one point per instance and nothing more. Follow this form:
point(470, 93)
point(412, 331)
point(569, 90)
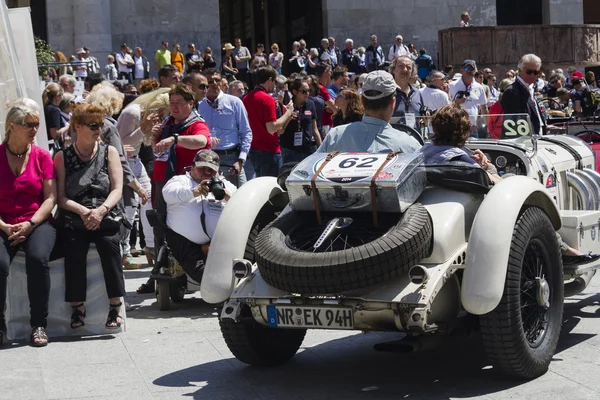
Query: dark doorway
point(591, 12)
point(519, 12)
point(271, 21)
point(38, 19)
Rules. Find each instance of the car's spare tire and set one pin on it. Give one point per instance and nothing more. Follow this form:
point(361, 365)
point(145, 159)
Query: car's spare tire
point(293, 256)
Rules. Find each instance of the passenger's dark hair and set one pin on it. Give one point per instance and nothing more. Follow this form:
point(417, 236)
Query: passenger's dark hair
point(94, 79)
point(263, 74)
point(165, 70)
point(183, 90)
point(448, 68)
point(337, 73)
point(451, 126)
point(376, 105)
point(422, 51)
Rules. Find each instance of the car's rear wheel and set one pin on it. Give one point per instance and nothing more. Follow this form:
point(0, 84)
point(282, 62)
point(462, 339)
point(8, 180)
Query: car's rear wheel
point(521, 334)
point(256, 344)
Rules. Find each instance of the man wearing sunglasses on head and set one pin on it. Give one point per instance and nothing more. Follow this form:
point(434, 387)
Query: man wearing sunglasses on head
point(519, 98)
point(227, 119)
point(469, 94)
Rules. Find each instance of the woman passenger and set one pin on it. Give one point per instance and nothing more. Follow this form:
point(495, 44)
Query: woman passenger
point(90, 183)
point(26, 174)
point(451, 130)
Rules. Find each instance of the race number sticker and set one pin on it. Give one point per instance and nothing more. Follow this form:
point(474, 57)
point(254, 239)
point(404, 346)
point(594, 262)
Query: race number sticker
point(351, 167)
point(515, 126)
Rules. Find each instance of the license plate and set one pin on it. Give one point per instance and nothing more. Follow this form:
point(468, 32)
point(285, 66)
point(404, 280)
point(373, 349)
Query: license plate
point(310, 317)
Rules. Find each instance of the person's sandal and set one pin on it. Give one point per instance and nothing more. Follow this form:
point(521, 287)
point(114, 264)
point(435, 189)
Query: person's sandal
point(129, 264)
point(114, 319)
point(78, 316)
point(145, 288)
point(40, 335)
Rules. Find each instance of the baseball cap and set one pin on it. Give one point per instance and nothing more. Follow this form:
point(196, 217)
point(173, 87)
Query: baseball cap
point(469, 62)
point(576, 81)
point(577, 74)
point(80, 51)
point(381, 82)
point(207, 158)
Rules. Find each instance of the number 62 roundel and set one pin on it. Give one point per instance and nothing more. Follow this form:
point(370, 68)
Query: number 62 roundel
point(351, 167)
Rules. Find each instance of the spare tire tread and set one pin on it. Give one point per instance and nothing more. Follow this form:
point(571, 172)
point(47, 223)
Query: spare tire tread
point(408, 242)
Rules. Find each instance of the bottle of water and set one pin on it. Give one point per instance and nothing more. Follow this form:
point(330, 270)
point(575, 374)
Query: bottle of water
point(570, 108)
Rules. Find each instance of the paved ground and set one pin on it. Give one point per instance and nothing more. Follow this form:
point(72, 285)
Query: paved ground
point(180, 354)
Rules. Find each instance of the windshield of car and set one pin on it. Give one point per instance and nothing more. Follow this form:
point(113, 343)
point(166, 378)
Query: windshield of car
point(514, 127)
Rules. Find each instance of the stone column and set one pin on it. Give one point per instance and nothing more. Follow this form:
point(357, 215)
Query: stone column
point(559, 12)
point(92, 27)
point(59, 14)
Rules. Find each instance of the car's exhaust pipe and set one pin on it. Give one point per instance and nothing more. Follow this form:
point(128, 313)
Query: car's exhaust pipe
point(582, 192)
point(579, 284)
point(592, 185)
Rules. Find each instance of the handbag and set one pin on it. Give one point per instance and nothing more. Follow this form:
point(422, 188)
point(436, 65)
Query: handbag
point(91, 193)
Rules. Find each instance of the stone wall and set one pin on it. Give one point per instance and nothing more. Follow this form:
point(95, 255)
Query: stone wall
point(103, 25)
point(558, 12)
point(417, 22)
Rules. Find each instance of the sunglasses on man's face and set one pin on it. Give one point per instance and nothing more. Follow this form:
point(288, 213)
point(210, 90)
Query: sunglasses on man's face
point(202, 86)
point(469, 68)
point(213, 80)
point(303, 91)
point(95, 126)
point(535, 72)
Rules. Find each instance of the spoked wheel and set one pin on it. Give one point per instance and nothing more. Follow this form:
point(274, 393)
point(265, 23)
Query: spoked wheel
point(521, 334)
point(341, 233)
point(535, 293)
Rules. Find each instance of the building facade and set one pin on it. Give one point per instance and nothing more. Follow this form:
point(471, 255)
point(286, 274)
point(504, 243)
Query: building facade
point(103, 25)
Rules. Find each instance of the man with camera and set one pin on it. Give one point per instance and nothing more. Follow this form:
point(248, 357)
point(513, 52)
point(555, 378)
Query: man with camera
point(194, 204)
point(469, 94)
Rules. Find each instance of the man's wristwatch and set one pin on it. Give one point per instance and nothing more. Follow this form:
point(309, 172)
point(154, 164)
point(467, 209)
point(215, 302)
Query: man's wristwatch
point(33, 224)
point(176, 138)
point(241, 161)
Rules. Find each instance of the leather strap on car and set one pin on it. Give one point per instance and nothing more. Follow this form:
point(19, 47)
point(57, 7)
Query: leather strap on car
point(315, 194)
point(374, 185)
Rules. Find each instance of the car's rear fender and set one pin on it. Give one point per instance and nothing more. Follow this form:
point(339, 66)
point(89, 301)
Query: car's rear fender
point(231, 235)
point(490, 238)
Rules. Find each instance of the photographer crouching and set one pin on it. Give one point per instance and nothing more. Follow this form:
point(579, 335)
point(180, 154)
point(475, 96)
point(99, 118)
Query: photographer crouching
point(194, 204)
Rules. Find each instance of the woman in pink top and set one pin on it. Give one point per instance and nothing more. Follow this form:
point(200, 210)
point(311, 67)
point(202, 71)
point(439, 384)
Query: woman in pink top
point(27, 197)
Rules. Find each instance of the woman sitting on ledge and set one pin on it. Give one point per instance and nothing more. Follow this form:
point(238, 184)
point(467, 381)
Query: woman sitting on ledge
point(90, 185)
point(27, 196)
point(451, 130)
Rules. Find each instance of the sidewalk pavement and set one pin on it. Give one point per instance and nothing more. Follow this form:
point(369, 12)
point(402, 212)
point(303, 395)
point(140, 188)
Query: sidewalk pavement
point(180, 354)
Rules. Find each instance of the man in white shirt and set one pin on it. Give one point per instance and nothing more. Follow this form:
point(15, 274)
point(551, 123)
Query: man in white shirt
point(469, 94)
point(80, 66)
point(125, 63)
point(398, 49)
point(141, 67)
point(193, 210)
point(434, 96)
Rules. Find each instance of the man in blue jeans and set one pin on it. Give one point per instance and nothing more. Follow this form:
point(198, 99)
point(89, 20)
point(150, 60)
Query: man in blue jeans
point(265, 153)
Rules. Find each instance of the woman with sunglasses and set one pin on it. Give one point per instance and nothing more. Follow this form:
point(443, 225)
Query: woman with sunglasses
point(350, 108)
point(27, 196)
point(300, 137)
point(90, 186)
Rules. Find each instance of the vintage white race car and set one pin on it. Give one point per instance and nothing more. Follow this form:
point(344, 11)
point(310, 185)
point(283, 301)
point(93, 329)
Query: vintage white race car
point(382, 242)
